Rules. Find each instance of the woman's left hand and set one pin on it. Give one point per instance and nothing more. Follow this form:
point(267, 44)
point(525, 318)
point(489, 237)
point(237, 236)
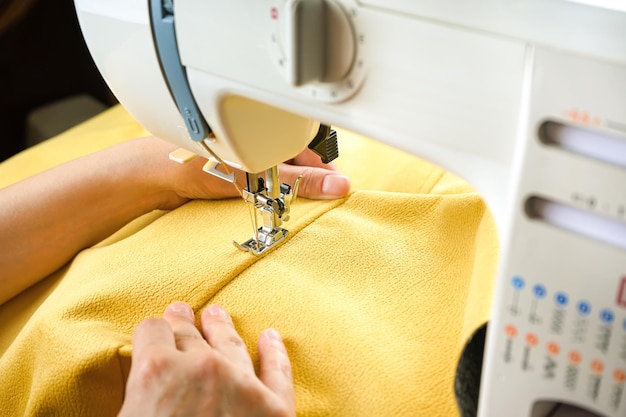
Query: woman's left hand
point(177, 370)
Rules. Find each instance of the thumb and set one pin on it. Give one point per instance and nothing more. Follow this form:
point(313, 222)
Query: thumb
point(316, 183)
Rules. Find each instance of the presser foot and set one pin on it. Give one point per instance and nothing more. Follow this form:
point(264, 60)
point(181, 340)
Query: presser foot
point(272, 201)
point(265, 242)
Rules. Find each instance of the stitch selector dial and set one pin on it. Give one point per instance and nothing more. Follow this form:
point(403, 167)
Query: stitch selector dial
point(319, 42)
point(315, 45)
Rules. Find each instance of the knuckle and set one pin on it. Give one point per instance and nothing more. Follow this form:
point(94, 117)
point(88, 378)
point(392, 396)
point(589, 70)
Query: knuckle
point(279, 362)
point(284, 367)
point(235, 341)
point(153, 366)
point(228, 343)
point(185, 338)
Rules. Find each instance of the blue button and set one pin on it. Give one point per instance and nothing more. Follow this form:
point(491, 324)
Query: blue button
point(584, 308)
point(561, 299)
point(518, 282)
point(539, 291)
point(607, 316)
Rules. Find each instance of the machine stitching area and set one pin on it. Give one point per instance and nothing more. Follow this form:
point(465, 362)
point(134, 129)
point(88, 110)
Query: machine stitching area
point(293, 232)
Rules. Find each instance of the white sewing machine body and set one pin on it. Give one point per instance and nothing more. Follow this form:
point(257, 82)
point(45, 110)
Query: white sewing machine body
point(526, 100)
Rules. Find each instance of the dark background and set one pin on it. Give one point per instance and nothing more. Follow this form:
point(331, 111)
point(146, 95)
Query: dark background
point(43, 58)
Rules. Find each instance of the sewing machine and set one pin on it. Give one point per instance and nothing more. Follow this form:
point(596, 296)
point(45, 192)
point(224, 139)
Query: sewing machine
point(524, 99)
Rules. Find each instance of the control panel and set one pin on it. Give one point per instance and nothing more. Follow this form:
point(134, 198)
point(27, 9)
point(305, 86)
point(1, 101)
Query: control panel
point(557, 342)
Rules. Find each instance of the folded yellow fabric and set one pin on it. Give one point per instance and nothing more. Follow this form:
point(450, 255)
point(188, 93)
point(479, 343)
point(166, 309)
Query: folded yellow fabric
point(374, 294)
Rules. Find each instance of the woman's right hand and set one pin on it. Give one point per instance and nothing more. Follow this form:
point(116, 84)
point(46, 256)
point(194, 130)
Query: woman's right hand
point(179, 371)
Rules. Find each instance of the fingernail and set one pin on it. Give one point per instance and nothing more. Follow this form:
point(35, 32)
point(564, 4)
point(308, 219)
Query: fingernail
point(182, 309)
point(335, 185)
point(217, 311)
point(273, 334)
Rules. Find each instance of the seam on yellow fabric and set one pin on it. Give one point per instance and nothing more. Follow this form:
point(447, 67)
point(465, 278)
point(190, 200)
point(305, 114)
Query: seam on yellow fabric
point(437, 176)
point(333, 204)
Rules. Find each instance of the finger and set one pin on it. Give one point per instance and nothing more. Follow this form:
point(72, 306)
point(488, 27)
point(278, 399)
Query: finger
point(151, 333)
point(309, 158)
point(181, 319)
point(219, 331)
point(316, 183)
point(275, 369)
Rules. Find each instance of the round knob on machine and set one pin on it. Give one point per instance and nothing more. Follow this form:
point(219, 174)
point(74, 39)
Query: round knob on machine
point(319, 41)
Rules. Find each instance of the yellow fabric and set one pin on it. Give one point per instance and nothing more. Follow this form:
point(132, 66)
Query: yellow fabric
point(374, 294)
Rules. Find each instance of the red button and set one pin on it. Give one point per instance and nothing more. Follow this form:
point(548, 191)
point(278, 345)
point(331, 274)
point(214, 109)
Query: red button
point(597, 366)
point(575, 357)
point(553, 348)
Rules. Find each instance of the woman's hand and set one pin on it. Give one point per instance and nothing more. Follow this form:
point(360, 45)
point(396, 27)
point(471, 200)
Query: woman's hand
point(188, 181)
point(178, 371)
